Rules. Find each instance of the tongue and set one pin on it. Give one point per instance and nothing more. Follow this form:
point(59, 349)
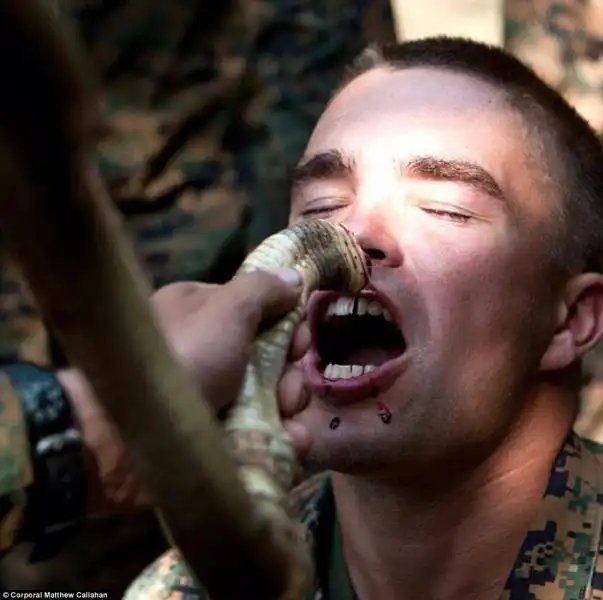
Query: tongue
point(371, 355)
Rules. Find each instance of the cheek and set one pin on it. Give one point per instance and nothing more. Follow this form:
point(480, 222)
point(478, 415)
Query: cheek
point(476, 290)
point(484, 330)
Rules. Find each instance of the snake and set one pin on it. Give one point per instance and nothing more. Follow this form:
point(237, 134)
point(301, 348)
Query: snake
point(220, 493)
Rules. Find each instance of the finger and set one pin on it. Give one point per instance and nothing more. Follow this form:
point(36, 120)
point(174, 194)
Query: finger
point(251, 298)
point(300, 343)
point(293, 396)
point(300, 436)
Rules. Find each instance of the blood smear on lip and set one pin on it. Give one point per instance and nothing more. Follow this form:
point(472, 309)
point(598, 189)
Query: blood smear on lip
point(384, 413)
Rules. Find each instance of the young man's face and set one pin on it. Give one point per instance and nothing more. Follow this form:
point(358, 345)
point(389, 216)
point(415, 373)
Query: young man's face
point(434, 174)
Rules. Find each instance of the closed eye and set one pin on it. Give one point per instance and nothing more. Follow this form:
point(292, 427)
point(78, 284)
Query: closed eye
point(320, 211)
point(449, 215)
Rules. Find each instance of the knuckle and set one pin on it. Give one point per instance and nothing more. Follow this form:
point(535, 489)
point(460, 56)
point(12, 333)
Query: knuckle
point(178, 291)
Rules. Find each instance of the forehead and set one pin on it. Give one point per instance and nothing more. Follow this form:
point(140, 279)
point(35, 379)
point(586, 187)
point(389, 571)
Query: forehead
point(388, 115)
point(413, 107)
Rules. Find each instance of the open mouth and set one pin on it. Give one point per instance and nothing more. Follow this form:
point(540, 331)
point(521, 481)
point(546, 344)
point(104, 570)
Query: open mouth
point(355, 336)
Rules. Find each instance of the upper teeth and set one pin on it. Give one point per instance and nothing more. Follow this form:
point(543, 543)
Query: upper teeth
point(358, 306)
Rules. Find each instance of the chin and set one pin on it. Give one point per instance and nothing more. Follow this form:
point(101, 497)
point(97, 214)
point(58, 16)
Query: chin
point(359, 443)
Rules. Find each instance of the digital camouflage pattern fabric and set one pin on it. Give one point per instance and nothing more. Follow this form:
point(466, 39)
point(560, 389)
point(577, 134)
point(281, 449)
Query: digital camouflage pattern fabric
point(561, 557)
point(562, 41)
point(16, 471)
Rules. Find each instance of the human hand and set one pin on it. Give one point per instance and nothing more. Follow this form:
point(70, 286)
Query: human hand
point(211, 329)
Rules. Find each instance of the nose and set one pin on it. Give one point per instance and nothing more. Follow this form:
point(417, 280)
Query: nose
point(377, 240)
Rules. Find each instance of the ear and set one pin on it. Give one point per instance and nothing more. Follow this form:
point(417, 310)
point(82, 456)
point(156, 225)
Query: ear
point(579, 322)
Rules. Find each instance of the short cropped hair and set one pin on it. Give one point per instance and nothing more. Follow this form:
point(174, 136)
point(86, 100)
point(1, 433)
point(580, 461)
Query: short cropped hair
point(569, 148)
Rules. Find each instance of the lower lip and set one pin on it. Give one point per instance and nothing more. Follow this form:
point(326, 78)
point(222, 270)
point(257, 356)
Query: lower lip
point(344, 390)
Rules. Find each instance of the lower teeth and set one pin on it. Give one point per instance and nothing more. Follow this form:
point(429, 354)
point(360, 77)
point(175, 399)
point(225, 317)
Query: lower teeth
point(334, 372)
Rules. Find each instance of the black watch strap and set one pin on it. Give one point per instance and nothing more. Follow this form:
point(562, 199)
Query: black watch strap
point(57, 498)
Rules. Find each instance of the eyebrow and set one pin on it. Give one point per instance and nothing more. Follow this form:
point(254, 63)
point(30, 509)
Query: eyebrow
point(432, 168)
point(334, 164)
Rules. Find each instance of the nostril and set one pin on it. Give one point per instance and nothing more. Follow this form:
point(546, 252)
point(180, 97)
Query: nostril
point(374, 254)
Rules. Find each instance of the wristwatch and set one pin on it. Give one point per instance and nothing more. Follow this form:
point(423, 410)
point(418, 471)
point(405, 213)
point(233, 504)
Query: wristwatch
point(56, 501)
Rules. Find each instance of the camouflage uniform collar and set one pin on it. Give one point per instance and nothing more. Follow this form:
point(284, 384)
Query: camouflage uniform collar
point(561, 557)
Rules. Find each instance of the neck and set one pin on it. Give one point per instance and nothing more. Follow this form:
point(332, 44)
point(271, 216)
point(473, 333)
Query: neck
point(403, 541)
